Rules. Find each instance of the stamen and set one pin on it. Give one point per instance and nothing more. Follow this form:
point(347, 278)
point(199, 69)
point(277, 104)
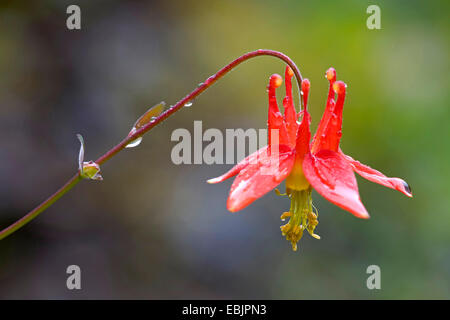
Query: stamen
point(285, 215)
point(278, 193)
point(312, 224)
point(301, 216)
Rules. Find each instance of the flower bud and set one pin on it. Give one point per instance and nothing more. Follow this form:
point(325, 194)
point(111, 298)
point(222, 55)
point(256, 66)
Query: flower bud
point(88, 170)
point(91, 170)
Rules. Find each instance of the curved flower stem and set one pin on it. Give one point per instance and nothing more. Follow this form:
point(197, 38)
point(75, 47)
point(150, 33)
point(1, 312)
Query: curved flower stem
point(191, 96)
point(147, 127)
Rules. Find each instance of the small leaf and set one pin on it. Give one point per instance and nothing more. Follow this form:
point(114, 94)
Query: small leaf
point(148, 116)
point(154, 111)
point(88, 170)
point(81, 154)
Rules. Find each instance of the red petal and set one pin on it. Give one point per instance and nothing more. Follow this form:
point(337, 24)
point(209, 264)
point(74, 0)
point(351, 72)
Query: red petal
point(253, 158)
point(303, 135)
point(257, 179)
point(275, 119)
point(377, 177)
point(331, 134)
point(305, 92)
point(332, 176)
point(290, 115)
point(331, 76)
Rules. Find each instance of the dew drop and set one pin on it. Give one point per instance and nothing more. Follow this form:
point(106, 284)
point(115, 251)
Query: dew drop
point(134, 143)
point(407, 187)
point(188, 104)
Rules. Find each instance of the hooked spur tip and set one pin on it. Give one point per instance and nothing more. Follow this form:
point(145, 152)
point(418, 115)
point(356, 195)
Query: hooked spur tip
point(289, 72)
point(331, 74)
point(339, 87)
point(305, 85)
point(275, 80)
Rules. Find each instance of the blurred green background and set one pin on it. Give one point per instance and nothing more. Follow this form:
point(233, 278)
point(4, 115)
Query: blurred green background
point(154, 230)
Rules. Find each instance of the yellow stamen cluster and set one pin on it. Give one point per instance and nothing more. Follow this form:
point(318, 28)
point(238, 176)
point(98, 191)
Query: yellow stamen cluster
point(301, 217)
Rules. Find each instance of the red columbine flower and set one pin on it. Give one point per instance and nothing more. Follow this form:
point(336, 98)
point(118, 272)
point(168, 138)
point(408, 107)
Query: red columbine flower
point(304, 165)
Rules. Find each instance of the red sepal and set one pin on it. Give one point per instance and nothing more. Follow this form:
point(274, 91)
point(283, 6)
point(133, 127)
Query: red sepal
point(257, 179)
point(253, 158)
point(377, 177)
point(333, 178)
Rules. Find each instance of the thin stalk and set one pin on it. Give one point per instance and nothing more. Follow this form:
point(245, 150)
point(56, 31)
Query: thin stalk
point(144, 129)
point(44, 205)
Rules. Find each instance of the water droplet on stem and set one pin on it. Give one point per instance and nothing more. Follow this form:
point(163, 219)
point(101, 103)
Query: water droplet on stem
point(134, 143)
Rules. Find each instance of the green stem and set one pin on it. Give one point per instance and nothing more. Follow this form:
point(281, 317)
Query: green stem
point(116, 149)
point(44, 205)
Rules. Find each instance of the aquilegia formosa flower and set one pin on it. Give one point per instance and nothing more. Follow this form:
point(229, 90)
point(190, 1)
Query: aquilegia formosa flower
point(304, 164)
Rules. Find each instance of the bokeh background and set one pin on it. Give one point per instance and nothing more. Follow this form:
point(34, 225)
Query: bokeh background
point(155, 230)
